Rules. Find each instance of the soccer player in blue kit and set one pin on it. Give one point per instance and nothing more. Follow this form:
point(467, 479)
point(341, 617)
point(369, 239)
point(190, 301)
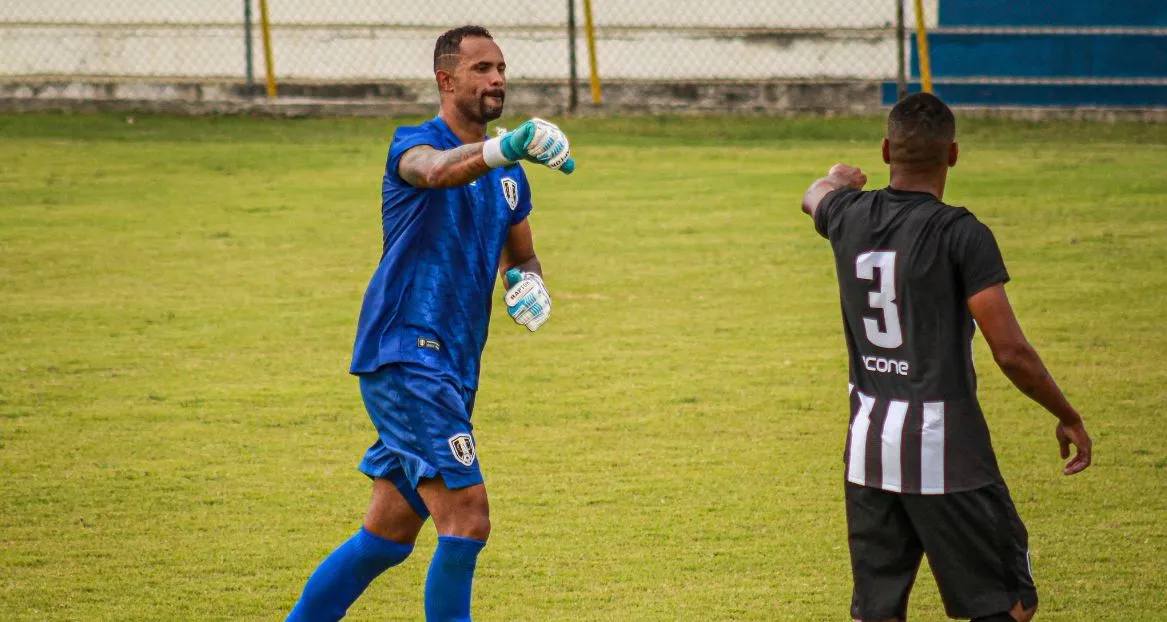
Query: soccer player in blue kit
point(454, 210)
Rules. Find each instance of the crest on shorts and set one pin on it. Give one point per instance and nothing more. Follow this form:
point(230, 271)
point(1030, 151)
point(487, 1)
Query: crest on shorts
point(510, 191)
point(462, 446)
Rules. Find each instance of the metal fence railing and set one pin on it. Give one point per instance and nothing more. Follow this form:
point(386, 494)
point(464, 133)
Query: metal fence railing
point(376, 40)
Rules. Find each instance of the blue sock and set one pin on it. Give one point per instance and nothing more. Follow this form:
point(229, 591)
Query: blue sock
point(447, 586)
point(344, 574)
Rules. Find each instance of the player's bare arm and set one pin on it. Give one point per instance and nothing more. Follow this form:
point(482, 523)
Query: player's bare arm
point(527, 299)
point(840, 176)
point(535, 141)
point(1021, 364)
point(426, 167)
point(519, 252)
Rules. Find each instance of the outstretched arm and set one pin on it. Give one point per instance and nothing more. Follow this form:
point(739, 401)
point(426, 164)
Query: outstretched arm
point(536, 141)
point(1019, 361)
point(426, 167)
point(840, 176)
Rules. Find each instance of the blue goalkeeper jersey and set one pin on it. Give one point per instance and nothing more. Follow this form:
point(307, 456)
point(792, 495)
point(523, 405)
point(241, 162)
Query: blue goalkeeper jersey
point(429, 299)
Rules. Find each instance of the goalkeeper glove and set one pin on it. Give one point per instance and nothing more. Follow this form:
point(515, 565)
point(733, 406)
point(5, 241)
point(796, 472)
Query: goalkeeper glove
point(528, 302)
point(536, 141)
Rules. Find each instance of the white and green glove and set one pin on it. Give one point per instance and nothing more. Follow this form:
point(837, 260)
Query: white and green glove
point(538, 141)
point(528, 302)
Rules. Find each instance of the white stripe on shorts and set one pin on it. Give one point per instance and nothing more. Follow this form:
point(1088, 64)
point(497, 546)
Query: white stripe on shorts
point(932, 450)
point(890, 442)
point(857, 453)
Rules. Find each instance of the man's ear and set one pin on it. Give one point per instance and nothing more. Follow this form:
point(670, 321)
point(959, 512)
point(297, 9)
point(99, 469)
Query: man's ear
point(886, 151)
point(953, 154)
point(445, 80)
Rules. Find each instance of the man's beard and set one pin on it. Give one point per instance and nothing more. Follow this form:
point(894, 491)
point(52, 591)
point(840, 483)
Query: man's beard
point(479, 111)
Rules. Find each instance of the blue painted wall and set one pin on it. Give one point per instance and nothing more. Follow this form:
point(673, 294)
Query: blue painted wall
point(1046, 56)
point(1089, 13)
point(1040, 95)
point(1022, 68)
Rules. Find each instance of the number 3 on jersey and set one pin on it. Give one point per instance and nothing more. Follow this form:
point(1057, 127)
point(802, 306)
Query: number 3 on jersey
point(884, 299)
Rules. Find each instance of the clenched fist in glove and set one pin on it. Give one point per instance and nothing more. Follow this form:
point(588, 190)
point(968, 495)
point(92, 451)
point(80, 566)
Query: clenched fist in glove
point(528, 302)
point(538, 141)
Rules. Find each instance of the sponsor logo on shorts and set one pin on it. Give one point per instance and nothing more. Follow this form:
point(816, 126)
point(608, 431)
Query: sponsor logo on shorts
point(432, 344)
point(462, 446)
point(510, 191)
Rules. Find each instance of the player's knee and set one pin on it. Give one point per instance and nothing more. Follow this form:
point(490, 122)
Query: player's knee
point(463, 512)
point(1017, 614)
point(1024, 615)
point(398, 531)
point(474, 525)
point(466, 520)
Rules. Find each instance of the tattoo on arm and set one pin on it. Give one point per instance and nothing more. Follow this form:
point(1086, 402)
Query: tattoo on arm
point(430, 168)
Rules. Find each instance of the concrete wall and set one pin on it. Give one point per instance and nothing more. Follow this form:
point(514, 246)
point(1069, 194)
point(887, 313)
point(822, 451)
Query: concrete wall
point(420, 98)
point(393, 39)
point(374, 56)
point(686, 56)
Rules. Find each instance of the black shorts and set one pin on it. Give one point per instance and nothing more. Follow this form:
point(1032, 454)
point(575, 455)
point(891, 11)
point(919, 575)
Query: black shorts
point(976, 544)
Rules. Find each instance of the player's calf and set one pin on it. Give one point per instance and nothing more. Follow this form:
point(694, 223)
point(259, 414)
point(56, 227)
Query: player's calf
point(462, 517)
point(341, 578)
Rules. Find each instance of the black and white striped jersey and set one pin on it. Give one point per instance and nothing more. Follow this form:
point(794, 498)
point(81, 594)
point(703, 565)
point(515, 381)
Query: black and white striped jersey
point(907, 264)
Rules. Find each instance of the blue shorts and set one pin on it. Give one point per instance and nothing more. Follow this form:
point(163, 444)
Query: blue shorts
point(423, 426)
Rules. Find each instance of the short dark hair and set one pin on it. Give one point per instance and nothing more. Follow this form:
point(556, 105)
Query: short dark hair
point(446, 49)
point(920, 130)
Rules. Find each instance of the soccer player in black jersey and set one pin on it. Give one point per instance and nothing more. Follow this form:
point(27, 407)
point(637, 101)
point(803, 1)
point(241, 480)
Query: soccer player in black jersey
point(916, 278)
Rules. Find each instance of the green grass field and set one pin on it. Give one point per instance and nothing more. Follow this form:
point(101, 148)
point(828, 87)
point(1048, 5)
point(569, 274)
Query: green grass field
point(178, 433)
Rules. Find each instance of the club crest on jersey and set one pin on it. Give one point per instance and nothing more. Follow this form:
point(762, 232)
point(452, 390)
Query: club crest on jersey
point(462, 446)
point(510, 191)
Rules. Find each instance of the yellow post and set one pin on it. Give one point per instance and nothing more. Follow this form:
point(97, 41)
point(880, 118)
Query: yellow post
point(267, 59)
point(597, 93)
point(922, 47)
